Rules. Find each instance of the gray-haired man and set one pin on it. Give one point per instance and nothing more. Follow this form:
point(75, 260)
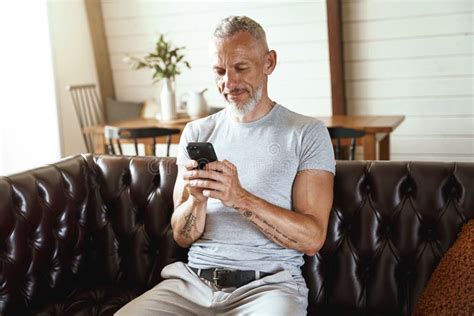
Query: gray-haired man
point(248, 218)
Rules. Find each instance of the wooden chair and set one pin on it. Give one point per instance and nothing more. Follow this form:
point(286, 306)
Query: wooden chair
point(341, 133)
point(88, 109)
point(112, 133)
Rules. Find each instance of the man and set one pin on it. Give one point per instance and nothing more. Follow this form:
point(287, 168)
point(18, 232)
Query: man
point(249, 217)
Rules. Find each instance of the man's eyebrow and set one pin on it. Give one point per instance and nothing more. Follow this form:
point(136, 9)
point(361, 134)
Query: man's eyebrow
point(240, 63)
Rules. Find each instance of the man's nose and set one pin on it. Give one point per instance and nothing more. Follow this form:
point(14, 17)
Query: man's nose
point(230, 80)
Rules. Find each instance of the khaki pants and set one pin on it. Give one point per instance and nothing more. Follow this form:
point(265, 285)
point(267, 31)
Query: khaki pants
point(184, 293)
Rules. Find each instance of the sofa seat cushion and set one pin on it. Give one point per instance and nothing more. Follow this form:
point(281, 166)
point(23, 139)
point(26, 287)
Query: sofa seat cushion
point(97, 301)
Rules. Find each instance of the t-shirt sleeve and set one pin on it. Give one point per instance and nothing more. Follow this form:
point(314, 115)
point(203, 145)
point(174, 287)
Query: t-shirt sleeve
point(186, 137)
point(316, 149)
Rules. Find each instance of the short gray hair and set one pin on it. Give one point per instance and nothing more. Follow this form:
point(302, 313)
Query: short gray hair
point(233, 24)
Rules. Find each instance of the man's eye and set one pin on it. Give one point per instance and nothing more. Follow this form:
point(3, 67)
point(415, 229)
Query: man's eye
point(219, 72)
point(241, 68)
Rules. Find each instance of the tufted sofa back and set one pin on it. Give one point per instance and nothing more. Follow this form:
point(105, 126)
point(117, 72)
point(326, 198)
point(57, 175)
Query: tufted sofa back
point(84, 222)
point(89, 221)
point(390, 225)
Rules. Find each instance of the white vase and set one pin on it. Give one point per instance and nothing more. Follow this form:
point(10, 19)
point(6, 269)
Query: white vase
point(168, 101)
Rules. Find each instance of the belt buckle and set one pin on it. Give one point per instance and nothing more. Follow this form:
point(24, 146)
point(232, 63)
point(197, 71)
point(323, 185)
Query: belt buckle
point(215, 275)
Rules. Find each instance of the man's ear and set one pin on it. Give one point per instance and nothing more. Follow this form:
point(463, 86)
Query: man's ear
point(270, 62)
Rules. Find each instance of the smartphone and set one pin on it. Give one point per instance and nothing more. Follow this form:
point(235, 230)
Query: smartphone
point(203, 153)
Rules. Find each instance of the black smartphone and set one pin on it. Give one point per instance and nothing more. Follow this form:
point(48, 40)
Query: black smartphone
point(203, 153)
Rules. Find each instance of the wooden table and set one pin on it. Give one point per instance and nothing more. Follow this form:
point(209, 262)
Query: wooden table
point(97, 131)
point(376, 127)
point(377, 130)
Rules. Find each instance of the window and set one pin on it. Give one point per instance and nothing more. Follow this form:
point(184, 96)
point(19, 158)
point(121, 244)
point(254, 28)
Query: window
point(29, 133)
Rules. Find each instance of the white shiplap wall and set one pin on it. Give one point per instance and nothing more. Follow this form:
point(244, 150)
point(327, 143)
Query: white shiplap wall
point(296, 30)
point(414, 58)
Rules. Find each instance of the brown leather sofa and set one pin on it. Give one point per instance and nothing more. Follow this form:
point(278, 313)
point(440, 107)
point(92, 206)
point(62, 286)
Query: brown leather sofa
point(86, 235)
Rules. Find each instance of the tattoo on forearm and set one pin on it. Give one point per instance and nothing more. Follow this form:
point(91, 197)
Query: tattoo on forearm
point(188, 225)
point(268, 229)
point(247, 213)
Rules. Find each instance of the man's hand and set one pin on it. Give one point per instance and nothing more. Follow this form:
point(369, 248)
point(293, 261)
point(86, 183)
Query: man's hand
point(219, 180)
point(194, 192)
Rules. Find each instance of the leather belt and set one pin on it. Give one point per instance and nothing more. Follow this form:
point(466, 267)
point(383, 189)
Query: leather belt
point(221, 277)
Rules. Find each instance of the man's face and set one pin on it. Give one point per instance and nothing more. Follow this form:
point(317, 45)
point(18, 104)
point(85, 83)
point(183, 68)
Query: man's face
point(239, 70)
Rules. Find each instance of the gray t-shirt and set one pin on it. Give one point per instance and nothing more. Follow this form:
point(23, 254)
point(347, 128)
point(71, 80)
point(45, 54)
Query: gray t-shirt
point(268, 153)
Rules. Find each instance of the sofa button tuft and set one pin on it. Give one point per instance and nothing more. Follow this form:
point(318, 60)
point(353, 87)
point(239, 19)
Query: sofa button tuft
point(348, 227)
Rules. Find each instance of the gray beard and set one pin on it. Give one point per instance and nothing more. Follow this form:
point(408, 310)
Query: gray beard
point(247, 107)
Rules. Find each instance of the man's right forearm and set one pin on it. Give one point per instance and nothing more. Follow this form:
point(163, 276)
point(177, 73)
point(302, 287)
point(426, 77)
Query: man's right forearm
point(188, 221)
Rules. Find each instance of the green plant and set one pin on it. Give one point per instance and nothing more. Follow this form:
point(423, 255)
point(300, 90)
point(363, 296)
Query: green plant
point(164, 60)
